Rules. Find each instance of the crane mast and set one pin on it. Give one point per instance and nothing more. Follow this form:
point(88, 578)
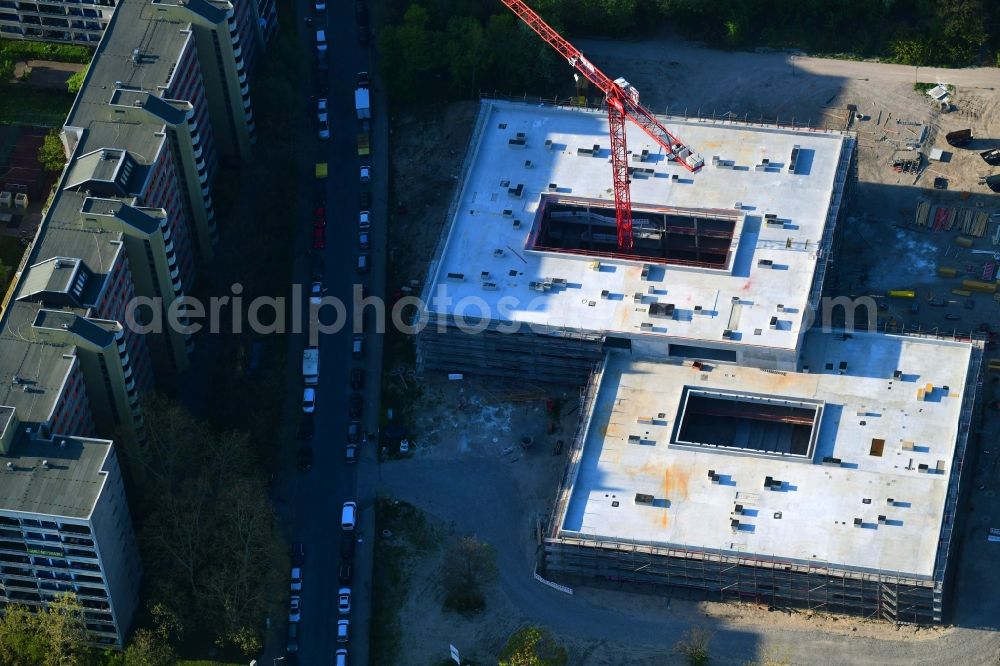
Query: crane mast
point(622, 101)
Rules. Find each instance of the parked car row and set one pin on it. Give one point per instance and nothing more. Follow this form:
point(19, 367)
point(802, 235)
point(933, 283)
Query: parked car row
point(326, 119)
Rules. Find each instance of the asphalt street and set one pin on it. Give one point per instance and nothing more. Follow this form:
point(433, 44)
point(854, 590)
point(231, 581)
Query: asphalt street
point(313, 500)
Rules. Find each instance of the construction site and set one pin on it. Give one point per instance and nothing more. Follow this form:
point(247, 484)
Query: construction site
point(834, 488)
point(731, 441)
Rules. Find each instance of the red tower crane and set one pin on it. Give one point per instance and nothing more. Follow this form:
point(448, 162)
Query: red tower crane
point(622, 101)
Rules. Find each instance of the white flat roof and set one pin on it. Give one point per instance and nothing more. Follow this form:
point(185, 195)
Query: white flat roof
point(480, 227)
point(818, 503)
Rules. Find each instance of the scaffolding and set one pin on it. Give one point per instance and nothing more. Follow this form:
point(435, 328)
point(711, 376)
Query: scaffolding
point(818, 587)
point(757, 577)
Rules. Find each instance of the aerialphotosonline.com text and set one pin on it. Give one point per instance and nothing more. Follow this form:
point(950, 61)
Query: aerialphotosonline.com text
point(318, 314)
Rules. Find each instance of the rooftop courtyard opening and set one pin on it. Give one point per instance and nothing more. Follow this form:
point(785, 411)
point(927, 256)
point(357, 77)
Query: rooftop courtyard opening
point(684, 236)
point(761, 425)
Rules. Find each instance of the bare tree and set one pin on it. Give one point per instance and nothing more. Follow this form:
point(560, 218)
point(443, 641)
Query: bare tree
point(468, 565)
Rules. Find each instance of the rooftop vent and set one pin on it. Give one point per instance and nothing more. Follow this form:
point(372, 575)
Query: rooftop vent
point(643, 498)
point(45, 464)
point(548, 144)
point(665, 310)
point(458, 277)
point(498, 252)
point(727, 334)
point(765, 263)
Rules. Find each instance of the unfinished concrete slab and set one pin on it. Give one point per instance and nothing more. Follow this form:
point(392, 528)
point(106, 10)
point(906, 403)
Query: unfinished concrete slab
point(849, 469)
point(727, 261)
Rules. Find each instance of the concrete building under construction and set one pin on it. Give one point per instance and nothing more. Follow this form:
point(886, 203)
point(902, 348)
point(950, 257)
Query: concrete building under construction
point(723, 446)
point(833, 488)
point(728, 263)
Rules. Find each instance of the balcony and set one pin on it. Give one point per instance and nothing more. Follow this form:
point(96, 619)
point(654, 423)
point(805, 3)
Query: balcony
point(70, 528)
point(245, 90)
point(197, 152)
point(238, 52)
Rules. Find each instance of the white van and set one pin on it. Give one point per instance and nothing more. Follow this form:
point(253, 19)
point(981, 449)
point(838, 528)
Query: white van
point(321, 41)
point(349, 516)
point(342, 657)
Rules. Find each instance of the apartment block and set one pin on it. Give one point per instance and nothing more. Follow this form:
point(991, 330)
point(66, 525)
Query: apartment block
point(76, 21)
point(84, 21)
point(65, 527)
point(165, 100)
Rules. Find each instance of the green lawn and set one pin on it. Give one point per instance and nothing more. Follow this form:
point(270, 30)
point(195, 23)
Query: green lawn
point(20, 104)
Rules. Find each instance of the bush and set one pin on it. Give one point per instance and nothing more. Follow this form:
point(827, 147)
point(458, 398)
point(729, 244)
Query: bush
point(75, 82)
point(52, 155)
point(533, 646)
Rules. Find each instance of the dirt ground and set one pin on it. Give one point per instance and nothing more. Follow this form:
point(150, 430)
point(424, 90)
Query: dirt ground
point(427, 153)
point(881, 249)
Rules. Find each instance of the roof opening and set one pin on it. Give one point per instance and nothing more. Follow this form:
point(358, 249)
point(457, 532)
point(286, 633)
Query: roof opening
point(690, 237)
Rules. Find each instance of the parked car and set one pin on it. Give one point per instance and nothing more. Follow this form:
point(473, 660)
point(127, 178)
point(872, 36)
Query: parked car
point(347, 546)
point(349, 516)
point(351, 454)
point(296, 579)
point(316, 293)
point(355, 405)
point(305, 458)
point(357, 378)
point(404, 446)
point(298, 553)
point(363, 80)
point(306, 427)
point(322, 110)
point(353, 431)
point(292, 644)
point(345, 573)
point(358, 347)
point(341, 657)
point(344, 601)
point(363, 263)
point(343, 630)
point(364, 220)
point(295, 608)
point(366, 174)
point(309, 400)
point(364, 241)
point(320, 5)
point(319, 238)
point(324, 130)
point(318, 267)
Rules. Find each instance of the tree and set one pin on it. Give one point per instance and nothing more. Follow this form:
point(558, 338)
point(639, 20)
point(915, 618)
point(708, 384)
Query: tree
point(533, 646)
point(20, 640)
point(75, 82)
point(693, 646)
point(52, 155)
point(468, 565)
point(65, 631)
point(148, 648)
